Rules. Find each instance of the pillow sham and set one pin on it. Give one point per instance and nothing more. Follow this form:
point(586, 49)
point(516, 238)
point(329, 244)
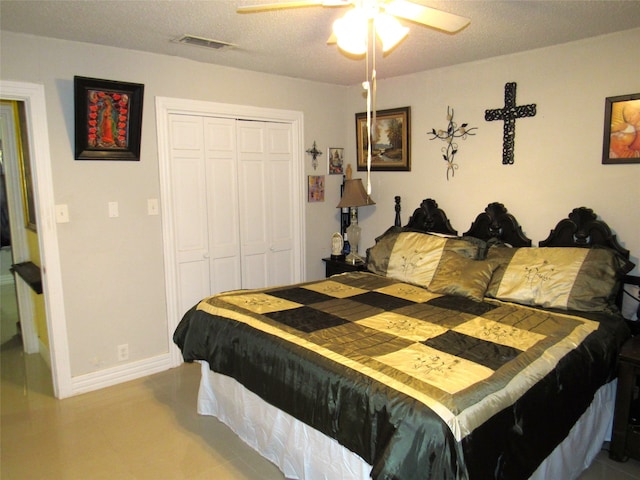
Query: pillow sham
point(569, 278)
point(458, 275)
point(413, 257)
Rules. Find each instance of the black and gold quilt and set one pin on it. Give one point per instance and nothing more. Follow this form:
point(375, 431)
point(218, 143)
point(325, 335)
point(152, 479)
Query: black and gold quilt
point(420, 385)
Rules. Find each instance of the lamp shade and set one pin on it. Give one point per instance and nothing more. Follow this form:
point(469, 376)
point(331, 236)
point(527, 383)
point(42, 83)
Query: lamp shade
point(354, 194)
point(389, 31)
point(351, 31)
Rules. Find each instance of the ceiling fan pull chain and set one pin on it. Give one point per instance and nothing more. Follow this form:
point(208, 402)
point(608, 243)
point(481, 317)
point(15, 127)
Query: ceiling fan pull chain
point(367, 86)
point(373, 83)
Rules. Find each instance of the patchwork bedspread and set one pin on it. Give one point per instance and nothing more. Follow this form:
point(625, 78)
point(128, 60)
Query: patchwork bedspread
point(420, 385)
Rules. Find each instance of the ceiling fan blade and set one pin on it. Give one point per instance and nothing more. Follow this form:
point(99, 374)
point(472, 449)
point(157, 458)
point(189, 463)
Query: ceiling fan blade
point(430, 17)
point(292, 4)
point(277, 6)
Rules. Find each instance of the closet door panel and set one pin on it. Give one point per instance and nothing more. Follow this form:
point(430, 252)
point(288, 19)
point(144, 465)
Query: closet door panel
point(253, 204)
point(189, 208)
point(222, 201)
point(280, 217)
point(253, 225)
point(193, 284)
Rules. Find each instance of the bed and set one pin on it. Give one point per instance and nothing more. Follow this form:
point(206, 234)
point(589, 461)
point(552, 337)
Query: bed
point(470, 356)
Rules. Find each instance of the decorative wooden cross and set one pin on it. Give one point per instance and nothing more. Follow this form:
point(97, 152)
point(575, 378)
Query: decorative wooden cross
point(509, 114)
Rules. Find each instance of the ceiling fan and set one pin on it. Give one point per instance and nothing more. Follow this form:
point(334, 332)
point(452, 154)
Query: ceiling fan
point(403, 9)
point(378, 18)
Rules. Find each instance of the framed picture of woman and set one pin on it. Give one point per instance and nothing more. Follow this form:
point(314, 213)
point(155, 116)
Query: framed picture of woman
point(108, 119)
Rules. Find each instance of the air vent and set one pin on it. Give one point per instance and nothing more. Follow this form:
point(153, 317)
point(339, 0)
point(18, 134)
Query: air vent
point(203, 42)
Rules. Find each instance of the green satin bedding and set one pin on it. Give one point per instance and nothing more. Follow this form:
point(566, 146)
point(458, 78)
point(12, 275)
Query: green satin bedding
point(419, 384)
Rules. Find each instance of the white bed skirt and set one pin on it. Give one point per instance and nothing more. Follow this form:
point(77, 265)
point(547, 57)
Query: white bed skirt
point(303, 453)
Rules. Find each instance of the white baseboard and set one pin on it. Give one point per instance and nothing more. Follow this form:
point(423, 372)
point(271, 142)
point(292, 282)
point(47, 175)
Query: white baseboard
point(120, 374)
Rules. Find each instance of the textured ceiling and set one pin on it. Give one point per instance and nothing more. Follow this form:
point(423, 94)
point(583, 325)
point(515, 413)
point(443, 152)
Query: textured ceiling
point(292, 42)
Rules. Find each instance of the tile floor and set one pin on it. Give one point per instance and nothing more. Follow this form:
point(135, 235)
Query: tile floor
point(143, 429)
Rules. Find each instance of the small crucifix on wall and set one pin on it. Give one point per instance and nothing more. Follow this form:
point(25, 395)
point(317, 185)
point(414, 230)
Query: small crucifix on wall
point(509, 114)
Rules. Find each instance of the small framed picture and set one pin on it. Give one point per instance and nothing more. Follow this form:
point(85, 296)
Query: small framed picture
point(621, 141)
point(336, 161)
point(108, 119)
point(316, 188)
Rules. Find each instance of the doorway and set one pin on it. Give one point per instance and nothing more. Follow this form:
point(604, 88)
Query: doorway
point(35, 113)
point(10, 331)
point(19, 303)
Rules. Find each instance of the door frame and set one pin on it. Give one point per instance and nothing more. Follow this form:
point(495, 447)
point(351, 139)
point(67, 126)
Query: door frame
point(166, 106)
point(15, 204)
point(33, 96)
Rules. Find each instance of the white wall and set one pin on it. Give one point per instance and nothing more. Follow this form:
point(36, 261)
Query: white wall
point(113, 268)
point(558, 153)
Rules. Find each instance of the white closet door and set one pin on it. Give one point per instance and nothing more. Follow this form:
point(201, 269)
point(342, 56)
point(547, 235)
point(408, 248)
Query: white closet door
point(222, 202)
point(233, 205)
point(265, 157)
point(281, 200)
point(253, 204)
point(189, 209)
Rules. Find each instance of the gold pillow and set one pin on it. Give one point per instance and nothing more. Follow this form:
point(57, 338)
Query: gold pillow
point(413, 257)
point(458, 275)
point(569, 278)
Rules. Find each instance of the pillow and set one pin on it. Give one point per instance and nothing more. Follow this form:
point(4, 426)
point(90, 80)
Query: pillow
point(412, 256)
point(458, 275)
point(500, 256)
point(569, 278)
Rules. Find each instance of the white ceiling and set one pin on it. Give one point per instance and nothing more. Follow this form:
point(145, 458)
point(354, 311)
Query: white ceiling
point(292, 42)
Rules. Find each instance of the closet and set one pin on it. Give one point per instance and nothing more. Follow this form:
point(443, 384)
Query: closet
point(233, 205)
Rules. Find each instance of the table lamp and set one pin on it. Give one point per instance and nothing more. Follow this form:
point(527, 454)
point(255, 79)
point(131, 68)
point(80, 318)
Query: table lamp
point(354, 196)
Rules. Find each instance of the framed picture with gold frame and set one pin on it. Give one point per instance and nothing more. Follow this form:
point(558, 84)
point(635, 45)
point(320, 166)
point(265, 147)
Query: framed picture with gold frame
point(621, 142)
point(391, 140)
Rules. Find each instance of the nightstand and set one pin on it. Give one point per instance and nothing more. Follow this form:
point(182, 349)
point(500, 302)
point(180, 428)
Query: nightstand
point(625, 440)
point(334, 267)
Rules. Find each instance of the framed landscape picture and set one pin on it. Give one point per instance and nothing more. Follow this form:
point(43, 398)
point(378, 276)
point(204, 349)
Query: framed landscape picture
point(391, 135)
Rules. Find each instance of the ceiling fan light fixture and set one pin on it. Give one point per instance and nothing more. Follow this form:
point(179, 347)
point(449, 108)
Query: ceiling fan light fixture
point(389, 31)
point(351, 32)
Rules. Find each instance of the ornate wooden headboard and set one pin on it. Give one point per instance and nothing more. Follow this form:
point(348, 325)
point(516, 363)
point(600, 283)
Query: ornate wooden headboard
point(429, 218)
point(495, 223)
point(583, 229)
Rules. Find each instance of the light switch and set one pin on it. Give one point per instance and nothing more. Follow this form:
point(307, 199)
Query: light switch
point(152, 206)
point(113, 209)
point(62, 213)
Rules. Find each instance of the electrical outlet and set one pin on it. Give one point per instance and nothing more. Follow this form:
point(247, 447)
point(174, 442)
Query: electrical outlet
point(123, 352)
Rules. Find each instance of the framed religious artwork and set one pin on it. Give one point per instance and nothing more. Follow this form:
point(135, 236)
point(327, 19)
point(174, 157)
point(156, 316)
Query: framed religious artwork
point(336, 161)
point(108, 119)
point(316, 188)
point(621, 141)
point(390, 140)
